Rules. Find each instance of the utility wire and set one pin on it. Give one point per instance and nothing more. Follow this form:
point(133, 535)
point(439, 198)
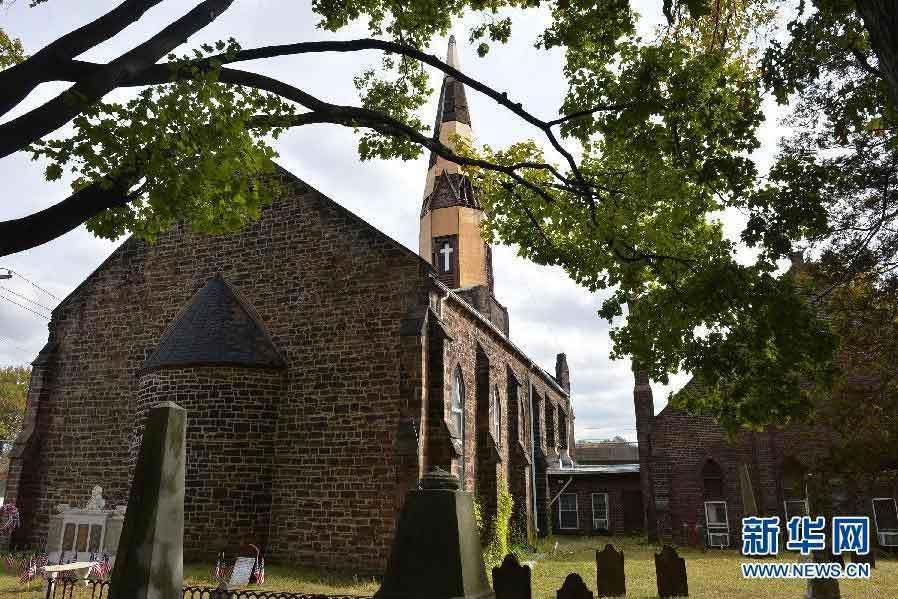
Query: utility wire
point(32, 283)
point(27, 299)
point(15, 303)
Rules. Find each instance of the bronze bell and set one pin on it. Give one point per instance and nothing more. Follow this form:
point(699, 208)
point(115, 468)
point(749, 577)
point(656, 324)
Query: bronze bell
point(436, 552)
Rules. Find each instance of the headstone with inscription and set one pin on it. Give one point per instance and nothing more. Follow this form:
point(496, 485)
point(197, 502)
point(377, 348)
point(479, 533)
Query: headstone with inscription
point(610, 581)
point(670, 572)
point(243, 569)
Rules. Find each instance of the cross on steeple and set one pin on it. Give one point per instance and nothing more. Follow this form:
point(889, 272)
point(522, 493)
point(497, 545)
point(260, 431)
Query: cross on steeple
point(446, 251)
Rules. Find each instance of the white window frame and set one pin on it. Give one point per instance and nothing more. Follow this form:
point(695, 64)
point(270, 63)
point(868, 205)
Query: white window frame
point(601, 523)
point(576, 511)
point(887, 537)
point(458, 411)
point(789, 514)
point(718, 533)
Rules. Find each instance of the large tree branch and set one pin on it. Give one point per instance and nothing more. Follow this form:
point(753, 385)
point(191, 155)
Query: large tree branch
point(162, 73)
point(24, 233)
point(18, 81)
point(31, 126)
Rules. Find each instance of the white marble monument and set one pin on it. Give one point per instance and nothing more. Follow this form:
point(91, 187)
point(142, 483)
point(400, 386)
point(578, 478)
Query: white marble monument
point(78, 532)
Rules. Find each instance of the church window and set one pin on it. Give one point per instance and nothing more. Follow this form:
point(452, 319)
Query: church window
point(712, 478)
point(562, 429)
point(550, 424)
point(795, 501)
point(496, 418)
point(458, 404)
point(716, 516)
point(568, 516)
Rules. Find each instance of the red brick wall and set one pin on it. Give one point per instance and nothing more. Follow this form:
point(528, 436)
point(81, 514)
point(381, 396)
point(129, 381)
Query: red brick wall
point(584, 486)
point(681, 444)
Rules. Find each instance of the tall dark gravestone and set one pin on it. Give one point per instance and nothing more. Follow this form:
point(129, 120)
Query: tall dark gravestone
point(610, 581)
point(436, 552)
point(573, 588)
point(670, 572)
point(150, 561)
point(511, 580)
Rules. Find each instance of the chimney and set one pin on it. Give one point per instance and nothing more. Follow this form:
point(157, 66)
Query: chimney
point(562, 374)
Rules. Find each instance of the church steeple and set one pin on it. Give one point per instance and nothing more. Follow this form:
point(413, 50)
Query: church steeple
point(450, 215)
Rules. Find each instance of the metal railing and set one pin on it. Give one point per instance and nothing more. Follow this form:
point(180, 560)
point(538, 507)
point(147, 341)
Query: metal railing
point(99, 589)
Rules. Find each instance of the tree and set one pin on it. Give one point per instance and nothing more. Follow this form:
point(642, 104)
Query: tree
point(13, 394)
point(652, 140)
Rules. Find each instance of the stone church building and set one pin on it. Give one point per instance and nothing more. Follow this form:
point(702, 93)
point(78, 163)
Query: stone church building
point(324, 367)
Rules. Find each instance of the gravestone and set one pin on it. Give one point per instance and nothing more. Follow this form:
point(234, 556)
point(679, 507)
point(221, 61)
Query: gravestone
point(150, 562)
point(243, 569)
point(870, 558)
point(511, 580)
point(573, 588)
point(822, 588)
point(670, 573)
point(436, 549)
point(610, 581)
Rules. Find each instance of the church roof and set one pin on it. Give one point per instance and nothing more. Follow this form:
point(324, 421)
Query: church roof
point(216, 328)
point(451, 189)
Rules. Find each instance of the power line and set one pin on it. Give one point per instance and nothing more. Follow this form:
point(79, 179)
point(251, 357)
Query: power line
point(15, 303)
point(27, 299)
point(32, 283)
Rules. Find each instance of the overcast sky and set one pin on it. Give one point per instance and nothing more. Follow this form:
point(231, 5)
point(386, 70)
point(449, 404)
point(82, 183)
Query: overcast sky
point(548, 312)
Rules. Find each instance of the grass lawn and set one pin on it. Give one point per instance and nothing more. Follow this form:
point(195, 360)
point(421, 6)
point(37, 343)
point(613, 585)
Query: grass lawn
point(712, 575)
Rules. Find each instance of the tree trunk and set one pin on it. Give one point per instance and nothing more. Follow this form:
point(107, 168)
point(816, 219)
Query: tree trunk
point(881, 20)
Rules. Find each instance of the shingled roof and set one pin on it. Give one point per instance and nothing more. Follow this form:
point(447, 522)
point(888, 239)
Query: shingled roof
point(451, 189)
point(217, 328)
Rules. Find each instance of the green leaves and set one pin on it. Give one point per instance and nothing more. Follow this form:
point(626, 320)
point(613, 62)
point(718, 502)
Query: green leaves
point(199, 147)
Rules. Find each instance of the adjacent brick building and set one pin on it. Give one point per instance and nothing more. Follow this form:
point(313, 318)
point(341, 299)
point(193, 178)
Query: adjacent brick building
point(324, 367)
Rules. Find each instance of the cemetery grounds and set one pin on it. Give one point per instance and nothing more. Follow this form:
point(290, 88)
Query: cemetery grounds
point(713, 574)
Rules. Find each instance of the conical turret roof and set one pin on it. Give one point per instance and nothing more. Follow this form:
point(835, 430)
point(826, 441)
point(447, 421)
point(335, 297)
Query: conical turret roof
point(217, 328)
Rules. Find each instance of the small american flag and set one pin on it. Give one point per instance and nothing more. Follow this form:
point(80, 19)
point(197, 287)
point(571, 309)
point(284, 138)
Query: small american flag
point(100, 568)
point(219, 572)
point(260, 570)
point(29, 572)
point(10, 560)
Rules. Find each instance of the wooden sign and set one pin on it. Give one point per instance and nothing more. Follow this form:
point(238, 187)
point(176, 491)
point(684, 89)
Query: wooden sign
point(243, 568)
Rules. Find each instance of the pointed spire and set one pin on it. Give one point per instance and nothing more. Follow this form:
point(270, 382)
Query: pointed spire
point(452, 54)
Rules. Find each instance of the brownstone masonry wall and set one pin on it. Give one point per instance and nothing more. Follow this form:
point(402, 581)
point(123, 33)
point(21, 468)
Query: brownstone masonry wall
point(232, 418)
point(502, 367)
point(332, 293)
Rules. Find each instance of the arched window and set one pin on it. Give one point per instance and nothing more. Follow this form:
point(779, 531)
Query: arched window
point(794, 497)
point(458, 404)
point(716, 518)
point(496, 417)
point(712, 479)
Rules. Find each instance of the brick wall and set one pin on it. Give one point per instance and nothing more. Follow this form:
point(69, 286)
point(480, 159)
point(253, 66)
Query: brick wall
point(231, 423)
point(331, 291)
point(583, 486)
